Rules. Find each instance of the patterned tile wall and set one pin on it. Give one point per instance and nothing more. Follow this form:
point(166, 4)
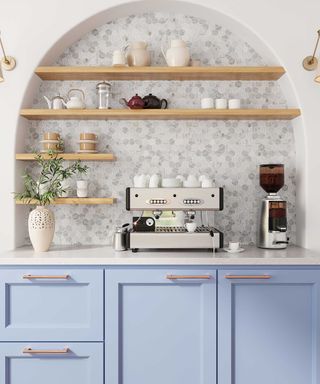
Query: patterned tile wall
point(228, 151)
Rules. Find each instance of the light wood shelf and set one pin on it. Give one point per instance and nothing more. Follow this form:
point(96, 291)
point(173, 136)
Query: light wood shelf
point(70, 156)
point(160, 73)
point(160, 114)
point(76, 200)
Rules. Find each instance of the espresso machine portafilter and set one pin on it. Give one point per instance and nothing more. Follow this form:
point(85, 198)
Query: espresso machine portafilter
point(272, 231)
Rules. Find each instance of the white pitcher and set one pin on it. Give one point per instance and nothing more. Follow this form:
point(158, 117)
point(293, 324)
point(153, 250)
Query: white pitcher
point(177, 55)
point(137, 55)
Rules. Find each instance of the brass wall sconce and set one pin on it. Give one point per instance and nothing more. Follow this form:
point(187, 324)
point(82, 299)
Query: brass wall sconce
point(7, 63)
point(310, 63)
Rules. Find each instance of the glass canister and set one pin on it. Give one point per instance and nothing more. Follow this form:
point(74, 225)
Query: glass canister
point(104, 95)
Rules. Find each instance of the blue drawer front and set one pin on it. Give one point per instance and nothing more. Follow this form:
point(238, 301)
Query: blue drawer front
point(51, 305)
point(63, 363)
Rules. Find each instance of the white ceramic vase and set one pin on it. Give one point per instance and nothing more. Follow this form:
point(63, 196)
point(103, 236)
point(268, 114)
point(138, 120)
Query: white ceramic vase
point(41, 228)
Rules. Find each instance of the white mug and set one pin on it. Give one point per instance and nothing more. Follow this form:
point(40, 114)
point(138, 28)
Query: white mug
point(191, 182)
point(207, 102)
point(234, 104)
point(155, 181)
point(206, 183)
point(221, 103)
point(191, 227)
point(234, 245)
point(82, 188)
point(118, 58)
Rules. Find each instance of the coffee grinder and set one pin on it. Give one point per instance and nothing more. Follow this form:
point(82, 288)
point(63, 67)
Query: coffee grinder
point(272, 231)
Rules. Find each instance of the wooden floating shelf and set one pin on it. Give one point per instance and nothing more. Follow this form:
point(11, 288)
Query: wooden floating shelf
point(160, 73)
point(75, 200)
point(160, 114)
point(70, 156)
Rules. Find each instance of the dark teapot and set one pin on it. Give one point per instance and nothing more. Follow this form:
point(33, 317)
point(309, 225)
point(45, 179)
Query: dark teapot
point(153, 102)
point(134, 103)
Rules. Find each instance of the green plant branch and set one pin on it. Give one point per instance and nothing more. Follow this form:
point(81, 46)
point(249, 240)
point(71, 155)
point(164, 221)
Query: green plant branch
point(51, 175)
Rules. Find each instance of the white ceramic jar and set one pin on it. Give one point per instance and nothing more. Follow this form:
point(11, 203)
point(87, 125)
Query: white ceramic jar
point(178, 54)
point(137, 55)
point(41, 225)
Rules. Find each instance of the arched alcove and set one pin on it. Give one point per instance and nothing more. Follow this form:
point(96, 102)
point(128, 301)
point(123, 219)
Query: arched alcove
point(244, 34)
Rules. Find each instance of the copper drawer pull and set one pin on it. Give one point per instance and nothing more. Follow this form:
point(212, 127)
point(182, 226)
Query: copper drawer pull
point(248, 277)
point(188, 277)
point(46, 351)
point(32, 277)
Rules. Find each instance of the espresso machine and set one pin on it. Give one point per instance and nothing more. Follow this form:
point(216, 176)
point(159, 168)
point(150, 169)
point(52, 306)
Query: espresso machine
point(151, 230)
point(272, 231)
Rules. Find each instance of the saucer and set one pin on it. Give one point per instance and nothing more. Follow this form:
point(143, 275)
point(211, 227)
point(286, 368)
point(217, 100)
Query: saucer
point(87, 141)
point(87, 151)
point(53, 150)
point(234, 250)
point(49, 141)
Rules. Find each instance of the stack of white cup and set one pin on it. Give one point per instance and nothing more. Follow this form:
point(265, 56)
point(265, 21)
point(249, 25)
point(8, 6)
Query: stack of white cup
point(209, 102)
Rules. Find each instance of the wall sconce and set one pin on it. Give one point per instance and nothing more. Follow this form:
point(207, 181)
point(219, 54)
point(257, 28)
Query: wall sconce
point(310, 63)
point(7, 63)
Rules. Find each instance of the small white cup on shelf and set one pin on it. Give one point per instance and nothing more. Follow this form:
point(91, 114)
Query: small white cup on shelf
point(118, 59)
point(82, 188)
point(207, 102)
point(234, 103)
point(221, 103)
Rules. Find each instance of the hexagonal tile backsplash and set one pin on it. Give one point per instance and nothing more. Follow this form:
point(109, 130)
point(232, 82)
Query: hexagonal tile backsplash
point(228, 151)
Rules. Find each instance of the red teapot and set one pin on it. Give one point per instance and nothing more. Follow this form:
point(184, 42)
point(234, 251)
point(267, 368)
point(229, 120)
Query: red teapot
point(135, 102)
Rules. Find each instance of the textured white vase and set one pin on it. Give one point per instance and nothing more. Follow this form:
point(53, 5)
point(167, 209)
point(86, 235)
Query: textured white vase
point(41, 228)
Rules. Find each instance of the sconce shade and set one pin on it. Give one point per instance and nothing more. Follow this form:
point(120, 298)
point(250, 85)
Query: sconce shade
point(1, 75)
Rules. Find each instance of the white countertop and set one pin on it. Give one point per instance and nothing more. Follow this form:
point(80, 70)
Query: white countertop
point(104, 255)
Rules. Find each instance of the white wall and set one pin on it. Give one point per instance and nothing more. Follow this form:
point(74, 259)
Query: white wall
point(31, 28)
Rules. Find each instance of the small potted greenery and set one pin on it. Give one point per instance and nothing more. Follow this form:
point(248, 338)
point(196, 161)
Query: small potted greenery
point(41, 191)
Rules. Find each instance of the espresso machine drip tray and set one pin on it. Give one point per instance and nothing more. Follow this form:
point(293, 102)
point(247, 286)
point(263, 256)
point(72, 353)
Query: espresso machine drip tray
point(176, 238)
point(201, 229)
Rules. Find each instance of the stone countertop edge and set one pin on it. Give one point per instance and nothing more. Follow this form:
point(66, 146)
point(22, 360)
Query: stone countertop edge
point(105, 256)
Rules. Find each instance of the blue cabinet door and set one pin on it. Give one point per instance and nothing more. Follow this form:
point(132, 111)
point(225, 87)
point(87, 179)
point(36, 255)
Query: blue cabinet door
point(268, 327)
point(51, 304)
point(160, 329)
point(57, 363)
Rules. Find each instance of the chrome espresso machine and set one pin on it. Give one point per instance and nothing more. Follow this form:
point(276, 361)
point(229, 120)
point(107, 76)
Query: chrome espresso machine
point(165, 215)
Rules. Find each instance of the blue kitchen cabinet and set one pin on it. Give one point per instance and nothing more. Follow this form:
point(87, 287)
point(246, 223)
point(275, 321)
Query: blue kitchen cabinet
point(268, 326)
point(160, 328)
point(51, 363)
point(51, 304)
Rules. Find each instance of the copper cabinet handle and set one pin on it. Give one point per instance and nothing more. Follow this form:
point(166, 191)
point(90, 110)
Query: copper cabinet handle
point(248, 277)
point(33, 277)
point(45, 351)
point(188, 277)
